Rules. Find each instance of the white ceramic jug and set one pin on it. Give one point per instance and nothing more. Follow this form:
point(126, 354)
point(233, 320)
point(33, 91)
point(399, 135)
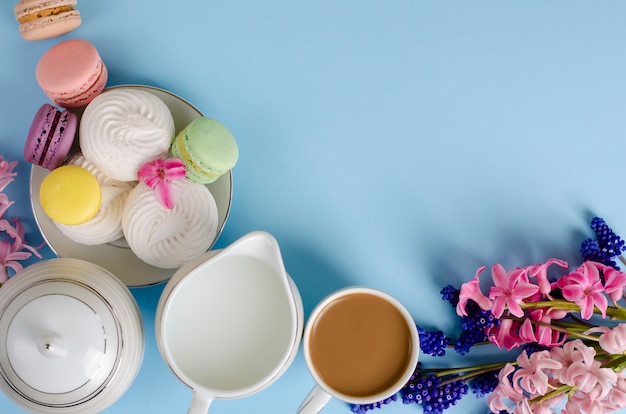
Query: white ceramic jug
point(230, 323)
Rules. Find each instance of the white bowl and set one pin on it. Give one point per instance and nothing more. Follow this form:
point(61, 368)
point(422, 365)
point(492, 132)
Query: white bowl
point(116, 257)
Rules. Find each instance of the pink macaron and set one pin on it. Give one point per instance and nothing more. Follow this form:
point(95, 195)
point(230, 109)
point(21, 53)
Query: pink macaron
point(72, 73)
point(50, 137)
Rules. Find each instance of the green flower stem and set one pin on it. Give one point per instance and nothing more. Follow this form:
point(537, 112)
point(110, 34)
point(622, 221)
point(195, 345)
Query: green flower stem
point(559, 329)
point(476, 373)
point(468, 372)
point(616, 364)
point(613, 312)
point(559, 390)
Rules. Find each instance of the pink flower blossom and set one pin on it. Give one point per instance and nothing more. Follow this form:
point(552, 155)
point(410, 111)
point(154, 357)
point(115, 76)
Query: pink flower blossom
point(17, 234)
point(509, 290)
point(617, 398)
point(532, 374)
point(613, 340)
point(12, 252)
point(542, 334)
point(9, 258)
point(540, 271)
point(582, 370)
point(504, 391)
point(584, 288)
point(6, 172)
point(5, 203)
point(471, 290)
point(505, 336)
point(159, 175)
point(615, 282)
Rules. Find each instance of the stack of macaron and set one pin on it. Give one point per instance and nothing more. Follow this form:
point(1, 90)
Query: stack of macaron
point(45, 19)
point(94, 195)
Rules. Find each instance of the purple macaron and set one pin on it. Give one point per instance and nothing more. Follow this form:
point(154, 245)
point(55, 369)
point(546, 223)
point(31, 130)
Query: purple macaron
point(50, 137)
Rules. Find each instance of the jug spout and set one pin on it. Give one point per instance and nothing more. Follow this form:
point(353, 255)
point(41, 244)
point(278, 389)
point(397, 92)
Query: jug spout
point(262, 246)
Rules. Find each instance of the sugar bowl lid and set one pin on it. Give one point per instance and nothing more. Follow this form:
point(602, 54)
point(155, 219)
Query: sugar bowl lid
point(71, 337)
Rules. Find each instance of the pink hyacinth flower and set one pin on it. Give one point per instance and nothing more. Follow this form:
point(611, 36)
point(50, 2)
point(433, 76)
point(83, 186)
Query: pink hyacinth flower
point(541, 334)
point(584, 288)
point(6, 172)
point(471, 290)
point(13, 252)
point(615, 282)
point(532, 374)
point(5, 203)
point(617, 397)
point(583, 371)
point(9, 258)
point(159, 175)
point(509, 290)
point(613, 340)
point(540, 271)
point(505, 336)
point(504, 391)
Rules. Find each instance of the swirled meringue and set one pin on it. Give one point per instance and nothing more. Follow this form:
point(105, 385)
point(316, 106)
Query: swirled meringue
point(106, 226)
point(123, 129)
point(168, 238)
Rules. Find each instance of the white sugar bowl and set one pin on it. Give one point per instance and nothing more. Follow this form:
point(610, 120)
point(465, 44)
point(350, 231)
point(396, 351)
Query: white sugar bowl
point(73, 339)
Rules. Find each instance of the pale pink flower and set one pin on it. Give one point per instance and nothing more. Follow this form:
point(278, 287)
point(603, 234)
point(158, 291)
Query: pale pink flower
point(615, 282)
point(536, 409)
point(159, 175)
point(6, 172)
point(584, 288)
point(10, 259)
point(572, 407)
point(17, 234)
point(613, 340)
point(509, 290)
point(5, 203)
point(581, 370)
point(523, 407)
point(504, 391)
point(590, 403)
point(540, 271)
point(13, 252)
point(532, 374)
point(617, 398)
point(471, 290)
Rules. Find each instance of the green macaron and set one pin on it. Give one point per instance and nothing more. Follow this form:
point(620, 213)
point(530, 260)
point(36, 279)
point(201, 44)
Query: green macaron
point(207, 148)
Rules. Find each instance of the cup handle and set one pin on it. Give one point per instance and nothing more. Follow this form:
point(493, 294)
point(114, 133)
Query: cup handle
point(199, 403)
point(315, 401)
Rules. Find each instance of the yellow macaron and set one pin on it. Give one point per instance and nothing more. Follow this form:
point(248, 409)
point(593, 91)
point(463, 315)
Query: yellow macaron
point(70, 195)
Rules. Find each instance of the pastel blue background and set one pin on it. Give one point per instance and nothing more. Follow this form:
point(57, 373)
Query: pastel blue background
point(397, 144)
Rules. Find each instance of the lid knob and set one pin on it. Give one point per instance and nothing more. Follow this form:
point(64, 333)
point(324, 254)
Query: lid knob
point(51, 346)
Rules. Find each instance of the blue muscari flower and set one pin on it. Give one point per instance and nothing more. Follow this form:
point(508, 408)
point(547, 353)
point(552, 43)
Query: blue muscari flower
point(433, 395)
point(590, 250)
point(607, 246)
point(484, 384)
point(363, 408)
point(467, 339)
point(433, 342)
point(532, 347)
point(450, 294)
point(473, 327)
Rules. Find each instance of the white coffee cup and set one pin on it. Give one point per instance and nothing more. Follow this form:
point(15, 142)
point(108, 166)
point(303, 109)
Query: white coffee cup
point(360, 345)
point(229, 324)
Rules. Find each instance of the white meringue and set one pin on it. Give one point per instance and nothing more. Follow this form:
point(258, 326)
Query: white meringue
point(169, 238)
point(123, 129)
